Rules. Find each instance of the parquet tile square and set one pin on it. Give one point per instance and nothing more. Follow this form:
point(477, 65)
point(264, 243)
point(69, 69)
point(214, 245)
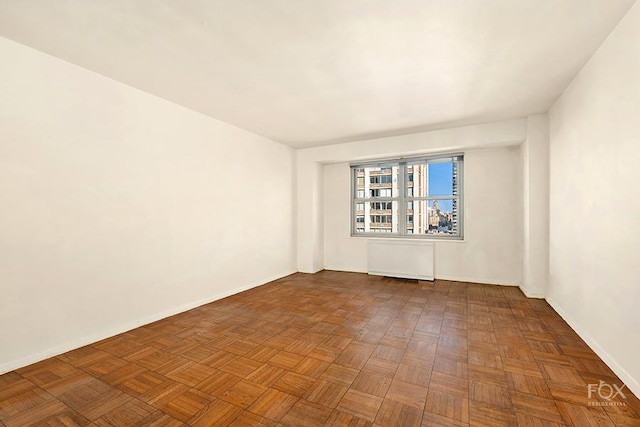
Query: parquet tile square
point(240, 366)
point(451, 367)
point(248, 419)
point(486, 415)
point(495, 376)
point(273, 404)
point(311, 367)
point(305, 413)
point(355, 355)
point(392, 413)
point(429, 419)
point(218, 413)
point(340, 374)
point(64, 418)
point(579, 415)
point(343, 419)
point(360, 404)
point(96, 408)
point(218, 383)
point(23, 401)
point(266, 375)
point(381, 367)
point(12, 384)
point(325, 393)
point(163, 393)
point(448, 405)
point(528, 385)
point(420, 376)
point(158, 419)
point(186, 405)
point(538, 407)
point(371, 383)
point(490, 393)
point(49, 372)
point(333, 349)
point(566, 375)
point(105, 365)
point(244, 393)
point(126, 415)
point(83, 356)
point(407, 393)
point(31, 409)
point(285, 359)
point(294, 384)
point(142, 383)
point(220, 358)
point(449, 384)
point(326, 354)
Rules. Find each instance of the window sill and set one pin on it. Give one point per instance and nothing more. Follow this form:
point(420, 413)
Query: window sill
point(410, 238)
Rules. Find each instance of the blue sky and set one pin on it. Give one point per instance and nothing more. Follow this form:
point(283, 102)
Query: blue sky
point(440, 182)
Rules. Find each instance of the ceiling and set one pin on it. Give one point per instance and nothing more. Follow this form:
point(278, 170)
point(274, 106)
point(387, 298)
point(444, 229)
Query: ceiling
point(314, 72)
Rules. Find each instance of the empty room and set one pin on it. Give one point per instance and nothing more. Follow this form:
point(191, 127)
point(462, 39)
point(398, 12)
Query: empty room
point(319, 213)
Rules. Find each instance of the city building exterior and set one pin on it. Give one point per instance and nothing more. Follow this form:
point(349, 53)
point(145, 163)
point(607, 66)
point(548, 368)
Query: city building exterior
point(377, 195)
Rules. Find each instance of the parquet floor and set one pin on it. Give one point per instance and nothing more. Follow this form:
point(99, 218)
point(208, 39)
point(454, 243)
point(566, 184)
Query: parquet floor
point(331, 349)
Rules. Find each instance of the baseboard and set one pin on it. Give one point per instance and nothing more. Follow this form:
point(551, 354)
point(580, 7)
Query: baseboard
point(632, 384)
point(342, 270)
point(531, 294)
point(482, 281)
point(86, 340)
point(449, 278)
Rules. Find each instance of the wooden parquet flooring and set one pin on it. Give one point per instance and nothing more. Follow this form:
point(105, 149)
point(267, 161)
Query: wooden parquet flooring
point(331, 349)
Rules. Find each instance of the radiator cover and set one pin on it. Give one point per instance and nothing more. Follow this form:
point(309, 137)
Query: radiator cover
point(408, 259)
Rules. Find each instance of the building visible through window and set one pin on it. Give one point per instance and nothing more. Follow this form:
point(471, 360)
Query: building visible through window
point(417, 197)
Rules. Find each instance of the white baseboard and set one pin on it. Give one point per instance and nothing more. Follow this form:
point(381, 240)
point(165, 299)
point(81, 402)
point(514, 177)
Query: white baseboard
point(344, 270)
point(90, 339)
point(450, 278)
point(483, 281)
point(632, 384)
point(528, 294)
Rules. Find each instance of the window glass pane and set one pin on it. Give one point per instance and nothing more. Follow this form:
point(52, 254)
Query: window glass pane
point(434, 217)
point(427, 205)
point(440, 179)
point(376, 182)
point(416, 180)
point(377, 217)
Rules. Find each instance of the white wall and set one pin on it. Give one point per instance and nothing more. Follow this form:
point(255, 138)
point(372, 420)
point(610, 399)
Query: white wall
point(491, 250)
point(595, 201)
point(118, 208)
point(535, 196)
point(331, 212)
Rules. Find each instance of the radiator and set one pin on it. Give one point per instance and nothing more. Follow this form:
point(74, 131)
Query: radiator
point(408, 259)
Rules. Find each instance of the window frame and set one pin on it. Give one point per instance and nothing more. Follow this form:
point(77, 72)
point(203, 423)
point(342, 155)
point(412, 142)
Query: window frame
point(403, 199)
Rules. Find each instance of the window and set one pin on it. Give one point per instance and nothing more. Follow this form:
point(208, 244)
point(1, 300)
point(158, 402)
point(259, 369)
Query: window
point(417, 197)
point(380, 192)
point(380, 179)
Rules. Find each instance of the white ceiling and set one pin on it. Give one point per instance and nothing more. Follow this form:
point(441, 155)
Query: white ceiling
point(313, 72)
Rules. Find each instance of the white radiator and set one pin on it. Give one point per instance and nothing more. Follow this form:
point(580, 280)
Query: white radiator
point(408, 259)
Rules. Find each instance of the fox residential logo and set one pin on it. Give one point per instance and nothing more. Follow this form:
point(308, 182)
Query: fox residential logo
point(605, 394)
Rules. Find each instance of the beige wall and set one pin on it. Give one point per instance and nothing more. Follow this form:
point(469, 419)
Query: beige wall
point(118, 208)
